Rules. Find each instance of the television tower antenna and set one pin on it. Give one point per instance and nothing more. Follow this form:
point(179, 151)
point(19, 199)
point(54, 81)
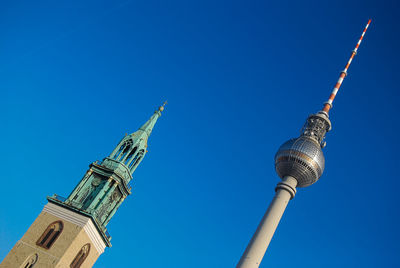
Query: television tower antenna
point(343, 74)
point(299, 162)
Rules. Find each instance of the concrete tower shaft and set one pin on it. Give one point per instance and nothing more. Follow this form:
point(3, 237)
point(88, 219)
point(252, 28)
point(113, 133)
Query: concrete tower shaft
point(258, 245)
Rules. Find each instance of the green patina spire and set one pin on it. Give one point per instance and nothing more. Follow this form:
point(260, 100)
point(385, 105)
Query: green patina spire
point(132, 148)
point(149, 125)
point(106, 184)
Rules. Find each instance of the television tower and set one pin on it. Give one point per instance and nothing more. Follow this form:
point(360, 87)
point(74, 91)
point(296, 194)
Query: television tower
point(299, 162)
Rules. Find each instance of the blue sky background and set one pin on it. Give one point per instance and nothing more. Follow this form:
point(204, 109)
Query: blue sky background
point(240, 78)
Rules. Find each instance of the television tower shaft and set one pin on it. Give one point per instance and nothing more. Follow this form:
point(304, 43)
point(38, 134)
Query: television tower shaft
point(257, 247)
point(299, 162)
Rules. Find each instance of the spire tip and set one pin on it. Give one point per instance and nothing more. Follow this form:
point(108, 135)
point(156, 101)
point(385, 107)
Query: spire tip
point(161, 108)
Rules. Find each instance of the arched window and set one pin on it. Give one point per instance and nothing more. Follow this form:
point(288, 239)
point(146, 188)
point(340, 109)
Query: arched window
point(80, 257)
point(124, 152)
point(49, 236)
point(119, 151)
point(136, 159)
point(130, 155)
point(30, 261)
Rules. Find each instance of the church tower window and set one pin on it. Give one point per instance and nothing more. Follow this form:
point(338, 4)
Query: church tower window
point(136, 159)
point(30, 262)
point(49, 236)
point(131, 154)
point(119, 151)
point(124, 152)
point(81, 256)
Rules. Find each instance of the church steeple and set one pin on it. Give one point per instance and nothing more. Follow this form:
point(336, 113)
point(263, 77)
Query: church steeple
point(71, 232)
point(107, 183)
point(132, 148)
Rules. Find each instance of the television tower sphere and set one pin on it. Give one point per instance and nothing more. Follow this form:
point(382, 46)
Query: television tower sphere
point(302, 158)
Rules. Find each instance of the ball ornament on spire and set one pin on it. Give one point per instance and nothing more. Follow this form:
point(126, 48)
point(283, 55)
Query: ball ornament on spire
point(161, 108)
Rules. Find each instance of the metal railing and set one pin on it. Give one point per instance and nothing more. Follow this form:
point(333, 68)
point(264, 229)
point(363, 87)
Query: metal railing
point(59, 197)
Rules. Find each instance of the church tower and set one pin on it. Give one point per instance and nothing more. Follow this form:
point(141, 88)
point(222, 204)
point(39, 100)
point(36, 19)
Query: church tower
point(71, 232)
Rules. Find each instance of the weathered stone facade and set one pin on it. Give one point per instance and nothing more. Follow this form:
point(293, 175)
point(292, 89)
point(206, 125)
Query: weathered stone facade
point(61, 254)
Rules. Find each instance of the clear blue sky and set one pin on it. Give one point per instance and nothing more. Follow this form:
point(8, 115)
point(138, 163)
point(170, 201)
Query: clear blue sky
point(240, 78)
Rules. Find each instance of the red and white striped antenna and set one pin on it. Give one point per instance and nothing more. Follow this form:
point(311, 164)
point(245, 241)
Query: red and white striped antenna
point(343, 74)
